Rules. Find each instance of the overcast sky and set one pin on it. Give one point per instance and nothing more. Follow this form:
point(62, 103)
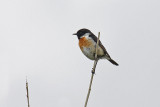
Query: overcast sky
point(36, 41)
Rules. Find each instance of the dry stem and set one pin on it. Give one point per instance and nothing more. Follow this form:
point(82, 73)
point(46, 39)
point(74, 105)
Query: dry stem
point(27, 93)
point(93, 72)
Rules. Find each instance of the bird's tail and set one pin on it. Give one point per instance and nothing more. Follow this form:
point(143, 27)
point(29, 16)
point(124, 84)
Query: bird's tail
point(112, 61)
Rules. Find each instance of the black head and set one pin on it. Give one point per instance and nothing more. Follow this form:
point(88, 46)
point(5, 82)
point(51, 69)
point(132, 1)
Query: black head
point(81, 32)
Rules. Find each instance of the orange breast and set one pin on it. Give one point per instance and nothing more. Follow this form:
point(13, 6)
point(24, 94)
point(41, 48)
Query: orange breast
point(83, 42)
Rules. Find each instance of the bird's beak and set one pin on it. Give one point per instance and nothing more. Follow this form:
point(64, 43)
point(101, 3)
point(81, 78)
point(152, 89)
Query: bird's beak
point(74, 33)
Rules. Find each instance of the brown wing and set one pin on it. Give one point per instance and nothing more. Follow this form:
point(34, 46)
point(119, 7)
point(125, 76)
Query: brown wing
point(100, 44)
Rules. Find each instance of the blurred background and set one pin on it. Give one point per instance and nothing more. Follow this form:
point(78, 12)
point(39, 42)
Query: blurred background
point(36, 42)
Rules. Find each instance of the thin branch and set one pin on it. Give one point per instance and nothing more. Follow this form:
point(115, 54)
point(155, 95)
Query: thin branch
point(27, 92)
point(93, 72)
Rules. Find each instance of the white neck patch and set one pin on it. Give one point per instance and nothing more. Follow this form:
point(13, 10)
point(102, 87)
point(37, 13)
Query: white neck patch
point(85, 35)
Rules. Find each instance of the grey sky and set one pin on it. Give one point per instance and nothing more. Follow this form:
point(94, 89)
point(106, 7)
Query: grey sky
point(36, 41)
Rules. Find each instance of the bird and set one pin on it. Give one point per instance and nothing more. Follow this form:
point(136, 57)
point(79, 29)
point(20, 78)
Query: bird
point(87, 44)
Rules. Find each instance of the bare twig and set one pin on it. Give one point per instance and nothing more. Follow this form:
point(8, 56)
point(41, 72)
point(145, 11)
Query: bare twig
point(93, 71)
point(27, 92)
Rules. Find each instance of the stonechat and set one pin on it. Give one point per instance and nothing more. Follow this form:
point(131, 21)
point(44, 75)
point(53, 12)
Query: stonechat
point(87, 44)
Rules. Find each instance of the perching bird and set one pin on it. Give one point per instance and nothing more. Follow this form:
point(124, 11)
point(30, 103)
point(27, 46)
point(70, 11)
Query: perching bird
point(87, 44)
